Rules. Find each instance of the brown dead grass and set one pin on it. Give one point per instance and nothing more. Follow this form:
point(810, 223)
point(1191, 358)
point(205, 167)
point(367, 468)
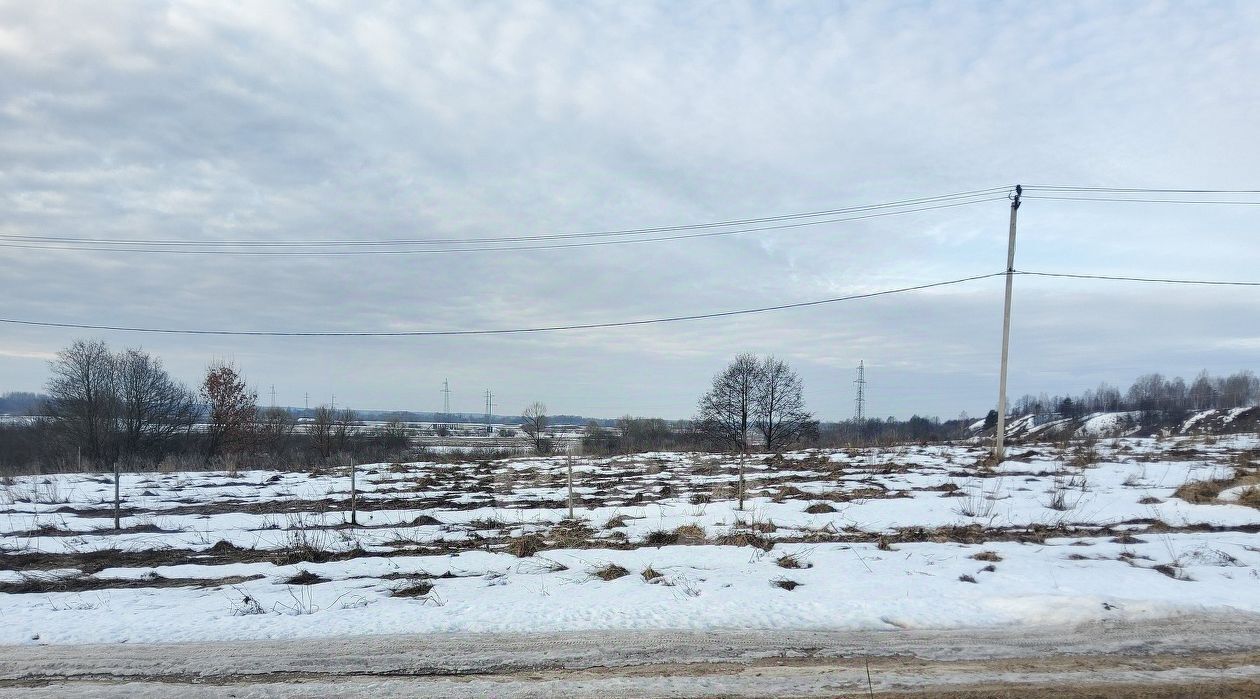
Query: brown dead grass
point(418, 588)
point(526, 546)
point(609, 571)
point(690, 534)
point(745, 538)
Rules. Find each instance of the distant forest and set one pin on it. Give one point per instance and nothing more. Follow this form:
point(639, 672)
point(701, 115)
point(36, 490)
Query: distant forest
point(1151, 393)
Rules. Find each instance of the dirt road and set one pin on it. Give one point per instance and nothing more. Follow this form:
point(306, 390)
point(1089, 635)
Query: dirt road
point(1191, 656)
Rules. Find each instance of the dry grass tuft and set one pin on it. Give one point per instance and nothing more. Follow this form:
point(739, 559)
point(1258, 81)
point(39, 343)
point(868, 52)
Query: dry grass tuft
point(1200, 491)
point(419, 588)
point(1171, 571)
point(690, 534)
point(766, 527)
point(615, 522)
point(571, 534)
point(660, 537)
point(745, 538)
point(1250, 497)
point(609, 571)
point(819, 508)
point(305, 577)
point(650, 574)
point(785, 584)
point(787, 492)
point(792, 561)
point(989, 556)
point(966, 578)
point(526, 546)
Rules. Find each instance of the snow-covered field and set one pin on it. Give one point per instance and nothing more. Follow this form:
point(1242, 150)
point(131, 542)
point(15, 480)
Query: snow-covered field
point(916, 537)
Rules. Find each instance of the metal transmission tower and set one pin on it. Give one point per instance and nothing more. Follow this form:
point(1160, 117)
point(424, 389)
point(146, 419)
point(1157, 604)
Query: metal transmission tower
point(446, 399)
point(859, 415)
point(489, 410)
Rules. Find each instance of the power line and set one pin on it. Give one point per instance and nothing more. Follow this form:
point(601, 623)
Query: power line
point(501, 331)
point(339, 253)
point(1136, 190)
point(501, 239)
point(1143, 201)
point(1154, 280)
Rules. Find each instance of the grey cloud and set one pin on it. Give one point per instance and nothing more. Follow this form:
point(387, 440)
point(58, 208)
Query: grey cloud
point(274, 121)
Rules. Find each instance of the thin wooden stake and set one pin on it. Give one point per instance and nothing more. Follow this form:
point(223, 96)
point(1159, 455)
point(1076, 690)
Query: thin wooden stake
point(117, 498)
point(870, 686)
point(570, 486)
point(354, 494)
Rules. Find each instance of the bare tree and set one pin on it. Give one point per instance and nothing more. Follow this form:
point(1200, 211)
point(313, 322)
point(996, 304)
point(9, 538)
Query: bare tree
point(779, 409)
point(1202, 392)
point(393, 436)
point(727, 410)
point(535, 425)
point(343, 429)
point(322, 430)
point(83, 398)
point(153, 407)
point(275, 430)
point(232, 409)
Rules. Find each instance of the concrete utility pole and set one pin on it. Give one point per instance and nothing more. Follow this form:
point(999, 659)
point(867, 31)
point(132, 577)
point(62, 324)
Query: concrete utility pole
point(999, 437)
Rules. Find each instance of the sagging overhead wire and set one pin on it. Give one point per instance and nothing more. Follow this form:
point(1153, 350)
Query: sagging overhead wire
point(455, 245)
point(1139, 195)
point(1149, 280)
point(501, 331)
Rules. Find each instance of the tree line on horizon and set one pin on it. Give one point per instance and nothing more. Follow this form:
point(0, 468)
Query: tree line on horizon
point(1151, 393)
point(108, 410)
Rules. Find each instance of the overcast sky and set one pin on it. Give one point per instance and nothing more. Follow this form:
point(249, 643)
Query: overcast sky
point(271, 121)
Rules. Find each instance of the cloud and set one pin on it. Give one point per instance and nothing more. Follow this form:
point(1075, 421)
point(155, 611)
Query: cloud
point(271, 121)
